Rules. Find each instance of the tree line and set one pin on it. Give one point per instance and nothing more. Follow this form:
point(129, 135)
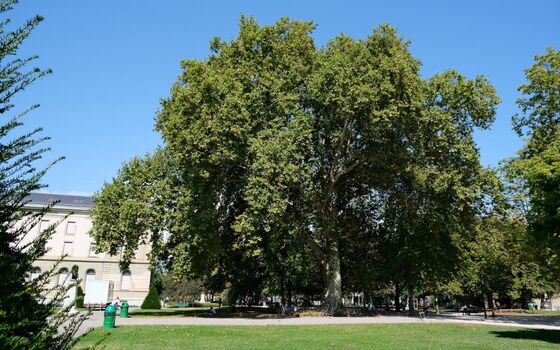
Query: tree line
point(292, 169)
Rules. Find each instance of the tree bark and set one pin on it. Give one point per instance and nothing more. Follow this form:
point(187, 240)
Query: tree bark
point(485, 303)
point(333, 297)
point(397, 297)
point(289, 296)
point(411, 308)
point(410, 289)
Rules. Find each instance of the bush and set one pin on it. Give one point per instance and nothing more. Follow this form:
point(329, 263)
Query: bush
point(79, 297)
point(152, 300)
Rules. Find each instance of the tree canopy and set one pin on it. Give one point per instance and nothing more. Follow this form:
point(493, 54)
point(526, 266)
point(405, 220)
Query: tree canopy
point(293, 160)
point(536, 170)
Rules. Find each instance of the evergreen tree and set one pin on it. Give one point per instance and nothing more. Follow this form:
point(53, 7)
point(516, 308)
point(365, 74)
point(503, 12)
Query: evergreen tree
point(80, 297)
point(28, 316)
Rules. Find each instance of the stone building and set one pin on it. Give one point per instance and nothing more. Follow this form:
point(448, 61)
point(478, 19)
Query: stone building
point(72, 238)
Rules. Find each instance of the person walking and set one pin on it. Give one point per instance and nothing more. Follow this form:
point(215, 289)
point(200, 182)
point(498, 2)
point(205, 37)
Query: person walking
point(426, 306)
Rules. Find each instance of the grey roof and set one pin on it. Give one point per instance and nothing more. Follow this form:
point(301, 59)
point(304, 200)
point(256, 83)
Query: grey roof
point(64, 200)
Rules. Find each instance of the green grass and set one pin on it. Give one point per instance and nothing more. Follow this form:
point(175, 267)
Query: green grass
point(205, 304)
point(543, 313)
point(189, 312)
point(385, 336)
point(519, 312)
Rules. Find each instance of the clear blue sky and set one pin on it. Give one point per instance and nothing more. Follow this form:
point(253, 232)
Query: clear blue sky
point(114, 60)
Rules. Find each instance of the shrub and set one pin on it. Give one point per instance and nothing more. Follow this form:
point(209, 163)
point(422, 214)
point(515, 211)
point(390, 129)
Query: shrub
point(152, 300)
point(79, 297)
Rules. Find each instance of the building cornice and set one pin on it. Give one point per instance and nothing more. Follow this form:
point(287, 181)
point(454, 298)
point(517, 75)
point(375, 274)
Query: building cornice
point(87, 259)
point(59, 209)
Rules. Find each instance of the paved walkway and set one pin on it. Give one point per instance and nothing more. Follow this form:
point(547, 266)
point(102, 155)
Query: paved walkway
point(96, 320)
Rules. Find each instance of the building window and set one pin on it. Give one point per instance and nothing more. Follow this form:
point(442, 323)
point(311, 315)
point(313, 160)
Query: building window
point(63, 278)
point(35, 273)
point(90, 276)
point(68, 247)
point(71, 228)
point(43, 225)
point(92, 250)
point(126, 280)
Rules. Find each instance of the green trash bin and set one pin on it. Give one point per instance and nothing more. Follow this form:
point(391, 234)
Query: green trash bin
point(109, 316)
point(124, 309)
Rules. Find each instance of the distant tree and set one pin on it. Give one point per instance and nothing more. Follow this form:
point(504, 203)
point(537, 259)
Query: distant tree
point(500, 262)
point(181, 289)
point(28, 307)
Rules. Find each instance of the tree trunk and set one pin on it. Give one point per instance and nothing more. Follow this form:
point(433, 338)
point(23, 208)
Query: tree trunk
point(485, 303)
point(397, 297)
point(333, 297)
point(289, 297)
point(411, 308)
point(282, 294)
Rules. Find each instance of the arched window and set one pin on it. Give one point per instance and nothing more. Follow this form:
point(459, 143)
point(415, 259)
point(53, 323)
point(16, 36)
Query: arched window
point(63, 278)
point(90, 276)
point(126, 280)
point(35, 272)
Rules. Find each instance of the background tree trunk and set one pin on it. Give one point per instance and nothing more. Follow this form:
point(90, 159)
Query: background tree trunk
point(397, 297)
point(411, 308)
point(485, 303)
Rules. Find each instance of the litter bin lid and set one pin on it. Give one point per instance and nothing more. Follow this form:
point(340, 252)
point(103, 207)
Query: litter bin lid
point(110, 309)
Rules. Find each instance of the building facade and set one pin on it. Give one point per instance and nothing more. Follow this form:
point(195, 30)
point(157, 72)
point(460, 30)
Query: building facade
point(71, 215)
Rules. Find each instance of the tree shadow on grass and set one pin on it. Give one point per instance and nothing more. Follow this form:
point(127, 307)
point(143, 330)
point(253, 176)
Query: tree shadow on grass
point(546, 335)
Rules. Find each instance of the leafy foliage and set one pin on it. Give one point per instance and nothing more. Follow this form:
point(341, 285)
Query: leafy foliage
point(294, 164)
point(139, 202)
point(536, 171)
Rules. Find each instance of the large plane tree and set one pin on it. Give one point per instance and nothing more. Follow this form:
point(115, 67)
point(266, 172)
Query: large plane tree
point(283, 147)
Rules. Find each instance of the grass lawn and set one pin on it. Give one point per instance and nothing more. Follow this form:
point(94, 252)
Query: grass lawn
point(189, 312)
point(542, 313)
point(384, 336)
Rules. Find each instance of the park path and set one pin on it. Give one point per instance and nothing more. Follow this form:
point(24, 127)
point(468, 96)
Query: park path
point(96, 320)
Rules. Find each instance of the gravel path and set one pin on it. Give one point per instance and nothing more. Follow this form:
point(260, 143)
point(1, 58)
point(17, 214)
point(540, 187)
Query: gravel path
point(96, 320)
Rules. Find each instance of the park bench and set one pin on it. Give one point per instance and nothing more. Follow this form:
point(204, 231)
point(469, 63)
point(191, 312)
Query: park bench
point(175, 305)
point(476, 309)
